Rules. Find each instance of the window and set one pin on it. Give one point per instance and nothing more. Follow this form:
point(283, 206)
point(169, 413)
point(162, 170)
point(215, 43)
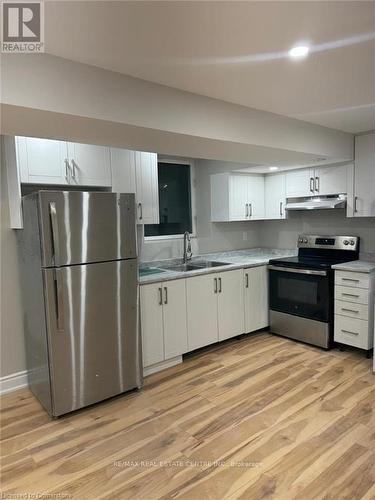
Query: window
point(174, 201)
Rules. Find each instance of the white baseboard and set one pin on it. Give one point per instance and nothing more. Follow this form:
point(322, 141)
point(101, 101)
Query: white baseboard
point(148, 370)
point(13, 382)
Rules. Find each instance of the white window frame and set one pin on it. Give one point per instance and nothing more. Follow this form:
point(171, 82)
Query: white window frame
point(193, 204)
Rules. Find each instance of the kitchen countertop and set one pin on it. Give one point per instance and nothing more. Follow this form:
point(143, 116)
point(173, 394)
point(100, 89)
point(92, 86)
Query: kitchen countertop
point(358, 266)
point(236, 259)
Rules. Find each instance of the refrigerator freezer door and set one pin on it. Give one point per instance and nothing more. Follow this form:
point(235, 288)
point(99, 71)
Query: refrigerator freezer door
point(78, 227)
point(93, 339)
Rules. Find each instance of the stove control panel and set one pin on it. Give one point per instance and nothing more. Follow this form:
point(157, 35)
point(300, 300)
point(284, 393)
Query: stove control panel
point(328, 242)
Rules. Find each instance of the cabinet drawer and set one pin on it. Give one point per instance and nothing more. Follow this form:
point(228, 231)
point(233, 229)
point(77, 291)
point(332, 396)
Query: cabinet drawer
point(347, 294)
point(352, 332)
point(355, 280)
point(359, 311)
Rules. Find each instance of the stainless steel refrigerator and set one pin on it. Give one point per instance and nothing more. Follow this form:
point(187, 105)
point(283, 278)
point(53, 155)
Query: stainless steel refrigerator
point(79, 270)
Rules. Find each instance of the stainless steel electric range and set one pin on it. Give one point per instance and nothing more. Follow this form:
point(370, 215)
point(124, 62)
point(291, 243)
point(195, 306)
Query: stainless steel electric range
point(302, 288)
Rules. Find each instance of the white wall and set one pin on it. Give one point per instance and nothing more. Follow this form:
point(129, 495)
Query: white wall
point(11, 313)
point(283, 234)
point(54, 97)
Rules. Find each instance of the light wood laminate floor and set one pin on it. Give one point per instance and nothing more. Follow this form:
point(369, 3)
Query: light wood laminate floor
point(282, 420)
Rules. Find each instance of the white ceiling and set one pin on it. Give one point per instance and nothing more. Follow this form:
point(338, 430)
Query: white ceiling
point(234, 51)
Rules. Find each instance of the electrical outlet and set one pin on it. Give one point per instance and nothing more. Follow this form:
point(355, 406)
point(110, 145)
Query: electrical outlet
point(244, 236)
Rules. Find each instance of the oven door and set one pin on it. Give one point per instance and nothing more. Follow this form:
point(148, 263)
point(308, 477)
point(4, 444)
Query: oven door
point(301, 292)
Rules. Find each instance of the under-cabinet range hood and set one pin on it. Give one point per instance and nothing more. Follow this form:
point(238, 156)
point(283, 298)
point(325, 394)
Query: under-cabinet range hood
point(316, 203)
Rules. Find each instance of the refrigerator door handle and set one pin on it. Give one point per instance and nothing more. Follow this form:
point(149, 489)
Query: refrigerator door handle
point(59, 300)
point(55, 233)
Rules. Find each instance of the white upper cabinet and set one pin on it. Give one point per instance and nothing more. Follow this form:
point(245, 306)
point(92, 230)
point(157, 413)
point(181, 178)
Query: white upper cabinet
point(255, 196)
point(300, 183)
point(237, 197)
point(90, 165)
point(42, 161)
point(274, 196)
point(331, 180)
point(147, 187)
point(364, 177)
point(123, 170)
point(328, 180)
point(137, 172)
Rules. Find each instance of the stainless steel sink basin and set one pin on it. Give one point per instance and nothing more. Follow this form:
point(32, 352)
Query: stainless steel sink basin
point(182, 268)
point(194, 266)
point(209, 263)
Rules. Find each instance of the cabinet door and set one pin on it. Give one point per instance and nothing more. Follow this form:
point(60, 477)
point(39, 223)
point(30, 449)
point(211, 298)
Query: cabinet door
point(299, 183)
point(42, 161)
point(256, 298)
point(331, 180)
point(238, 196)
point(230, 304)
point(255, 196)
point(201, 301)
point(90, 165)
point(174, 318)
point(274, 196)
point(146, 165)
point(123, 170)
point(152, 324)
point(364, 176)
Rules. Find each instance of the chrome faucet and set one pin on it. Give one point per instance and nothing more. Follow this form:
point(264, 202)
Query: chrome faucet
point(187, 247)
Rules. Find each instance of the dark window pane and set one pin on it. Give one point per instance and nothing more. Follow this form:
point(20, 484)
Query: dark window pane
point(174, 201)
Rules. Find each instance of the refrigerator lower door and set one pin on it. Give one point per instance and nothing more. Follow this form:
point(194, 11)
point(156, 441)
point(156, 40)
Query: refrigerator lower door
point(93, 339)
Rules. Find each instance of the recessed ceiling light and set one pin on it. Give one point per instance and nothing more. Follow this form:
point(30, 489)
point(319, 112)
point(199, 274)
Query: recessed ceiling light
point(299, 51)
point(274, 168)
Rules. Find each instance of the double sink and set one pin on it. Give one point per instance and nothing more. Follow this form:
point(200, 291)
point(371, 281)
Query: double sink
point(193, 266)
point(182, 267)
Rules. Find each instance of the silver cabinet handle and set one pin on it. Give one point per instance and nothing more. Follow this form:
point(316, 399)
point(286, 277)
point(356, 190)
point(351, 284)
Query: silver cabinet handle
point(140, 210)
point(350, 295)
point(349, 310)
point(246, 210)
point(67, 170)
point(246, 280)
point(220, 287)
point(281, 208)
point(74, 167)
point(348, 331)
point(350, 279)
point(59, 300)
point(215, 285)
point(312, 184)
point(160, 296)
point(55, 233)
point(317, 184)
point(166, 295)
point(251, 209)
point(355, 204)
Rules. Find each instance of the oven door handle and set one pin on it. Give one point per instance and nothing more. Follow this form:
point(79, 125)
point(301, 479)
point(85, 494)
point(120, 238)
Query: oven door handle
point(298, 271)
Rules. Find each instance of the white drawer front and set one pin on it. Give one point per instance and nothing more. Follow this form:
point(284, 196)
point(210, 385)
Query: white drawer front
point(348, 278)
point(346, 293)
point(359, 311)
point(352, 332)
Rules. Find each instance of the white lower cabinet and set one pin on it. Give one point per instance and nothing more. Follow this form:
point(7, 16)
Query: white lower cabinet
point(256, 298)
point(230, 304)
point(201, 301)
point(214, 307)
point(354, 309)
point(163, 321)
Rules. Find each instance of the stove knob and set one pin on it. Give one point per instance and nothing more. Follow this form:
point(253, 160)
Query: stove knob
point(300, 240)
point(352, 242)
point(305, 240)
point(346, 242)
